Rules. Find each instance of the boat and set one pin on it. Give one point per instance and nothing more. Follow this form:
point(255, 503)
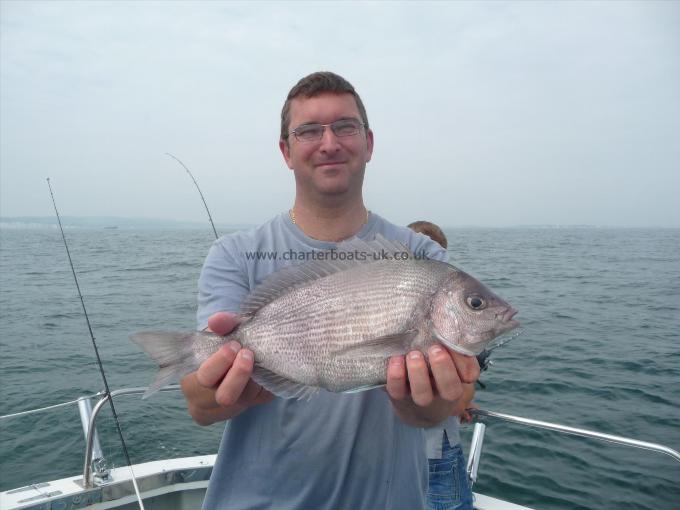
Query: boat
point(180, 484)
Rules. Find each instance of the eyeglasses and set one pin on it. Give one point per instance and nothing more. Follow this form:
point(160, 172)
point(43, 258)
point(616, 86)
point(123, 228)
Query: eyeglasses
point(314, 132)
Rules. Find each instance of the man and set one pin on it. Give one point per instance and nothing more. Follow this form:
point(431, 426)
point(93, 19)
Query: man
point(361, 450)
point(447, 487)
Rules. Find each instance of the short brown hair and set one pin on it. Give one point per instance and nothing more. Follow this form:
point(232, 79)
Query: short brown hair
point(430, 230)
point(316, 84)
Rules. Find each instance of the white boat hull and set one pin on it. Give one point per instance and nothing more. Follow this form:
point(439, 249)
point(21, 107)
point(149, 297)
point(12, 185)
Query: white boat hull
point(172, 484)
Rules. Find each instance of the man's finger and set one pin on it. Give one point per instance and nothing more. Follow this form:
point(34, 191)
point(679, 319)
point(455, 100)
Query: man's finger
point(419, 378)
point(445, 375)
point(213, 370)
point(396, 386)
point(253, 393)
point(466, 366)
point(222, 323)
point(231, 388)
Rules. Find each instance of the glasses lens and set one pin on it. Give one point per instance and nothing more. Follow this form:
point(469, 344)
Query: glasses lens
point(346, 127)
point(309, 132)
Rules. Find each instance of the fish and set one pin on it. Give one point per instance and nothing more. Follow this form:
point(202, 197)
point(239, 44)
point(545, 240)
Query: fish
point(333, 323)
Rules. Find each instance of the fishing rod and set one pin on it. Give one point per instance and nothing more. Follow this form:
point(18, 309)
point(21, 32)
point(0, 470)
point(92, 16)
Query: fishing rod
point(107, 392)
point(199, 192)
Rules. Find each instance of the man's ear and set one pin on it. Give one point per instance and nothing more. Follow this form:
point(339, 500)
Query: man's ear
point(369, 145)
point(285, 150)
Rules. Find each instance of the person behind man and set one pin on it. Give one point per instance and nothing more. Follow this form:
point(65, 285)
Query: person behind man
point(448, 487)
point(363, 450)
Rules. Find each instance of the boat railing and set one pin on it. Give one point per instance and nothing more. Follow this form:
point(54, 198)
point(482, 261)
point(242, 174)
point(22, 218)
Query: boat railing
point(564, 429)
point(95, 472)
point(475, 453)
point(94, 469)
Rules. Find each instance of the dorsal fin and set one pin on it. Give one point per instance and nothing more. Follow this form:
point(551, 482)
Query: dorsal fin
point(351, 253)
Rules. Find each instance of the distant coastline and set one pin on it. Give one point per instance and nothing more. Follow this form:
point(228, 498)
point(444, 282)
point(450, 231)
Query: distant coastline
point(120, 223)
point(106, 222)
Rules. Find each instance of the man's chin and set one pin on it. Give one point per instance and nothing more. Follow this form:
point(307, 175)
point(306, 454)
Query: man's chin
point(332, 185)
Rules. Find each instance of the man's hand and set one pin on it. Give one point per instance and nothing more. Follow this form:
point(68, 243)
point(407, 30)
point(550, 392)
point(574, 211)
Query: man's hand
point(424, 400)
point(221, 388)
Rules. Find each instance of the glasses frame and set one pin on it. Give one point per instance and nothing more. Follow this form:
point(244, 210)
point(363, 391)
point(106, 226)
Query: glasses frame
point(323, 130)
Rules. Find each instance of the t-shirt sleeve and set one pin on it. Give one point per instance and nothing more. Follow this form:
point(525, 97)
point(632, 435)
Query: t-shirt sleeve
point(223, 283)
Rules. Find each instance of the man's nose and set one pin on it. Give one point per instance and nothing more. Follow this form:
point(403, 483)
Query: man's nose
point(329, 141)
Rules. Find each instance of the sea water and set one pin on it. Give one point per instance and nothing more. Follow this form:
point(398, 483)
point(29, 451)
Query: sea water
point(600, 310)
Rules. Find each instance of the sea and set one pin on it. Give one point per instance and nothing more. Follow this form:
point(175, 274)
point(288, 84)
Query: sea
point(600, 349)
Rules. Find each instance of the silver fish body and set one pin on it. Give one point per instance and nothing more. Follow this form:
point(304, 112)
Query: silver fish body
point(334, 325)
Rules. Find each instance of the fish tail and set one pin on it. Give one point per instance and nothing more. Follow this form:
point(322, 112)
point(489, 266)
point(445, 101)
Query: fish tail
point(174, 353)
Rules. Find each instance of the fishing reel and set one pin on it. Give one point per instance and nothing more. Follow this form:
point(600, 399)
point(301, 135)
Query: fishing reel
point(484, 364)
point(483, 360)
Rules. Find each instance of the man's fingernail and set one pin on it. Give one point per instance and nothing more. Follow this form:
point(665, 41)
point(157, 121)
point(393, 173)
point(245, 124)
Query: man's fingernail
point(397, 362)
point(234, 346)
point(247, 355)
point(435, 350)
point(414, 355)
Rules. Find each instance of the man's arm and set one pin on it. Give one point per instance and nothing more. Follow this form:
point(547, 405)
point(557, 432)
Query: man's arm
point(421, 400)
point(221, 388)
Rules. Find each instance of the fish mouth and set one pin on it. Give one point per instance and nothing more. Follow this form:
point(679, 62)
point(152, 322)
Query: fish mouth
point(507, 320)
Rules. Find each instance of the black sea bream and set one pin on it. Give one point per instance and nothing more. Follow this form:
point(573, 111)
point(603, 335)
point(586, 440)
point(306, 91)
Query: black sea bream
point(334, 323)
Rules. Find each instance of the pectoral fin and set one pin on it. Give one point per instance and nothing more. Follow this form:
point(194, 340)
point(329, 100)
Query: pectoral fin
point(381, 347)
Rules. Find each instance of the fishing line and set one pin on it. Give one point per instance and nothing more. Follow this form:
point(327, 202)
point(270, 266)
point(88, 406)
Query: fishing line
point(96, 351)
point(483, 357)
point(199, 192)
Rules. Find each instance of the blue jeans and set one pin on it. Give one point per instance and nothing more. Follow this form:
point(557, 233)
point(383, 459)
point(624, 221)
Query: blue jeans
point(448, 487)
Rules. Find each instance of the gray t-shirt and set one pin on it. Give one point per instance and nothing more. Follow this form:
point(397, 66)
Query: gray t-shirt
point(332, 451)
point(434, 436)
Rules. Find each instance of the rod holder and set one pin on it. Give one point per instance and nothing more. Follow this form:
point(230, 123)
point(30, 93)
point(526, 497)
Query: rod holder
point(475, 452)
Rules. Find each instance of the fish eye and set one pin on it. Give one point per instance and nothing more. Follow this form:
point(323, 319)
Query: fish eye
point(475, 302)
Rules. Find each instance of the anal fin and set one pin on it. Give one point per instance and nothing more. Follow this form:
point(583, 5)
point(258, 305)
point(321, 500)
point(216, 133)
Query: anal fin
point(365, 388)
point(281, 386)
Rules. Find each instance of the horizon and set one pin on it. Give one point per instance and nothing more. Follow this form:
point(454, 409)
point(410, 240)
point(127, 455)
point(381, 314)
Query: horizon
point(130, 222)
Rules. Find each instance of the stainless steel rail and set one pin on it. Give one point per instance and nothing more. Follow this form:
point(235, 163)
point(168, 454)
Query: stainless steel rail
point(48, 408)
point(579, 432)
point(475, 454)
point(88, 481)
point(85, 410)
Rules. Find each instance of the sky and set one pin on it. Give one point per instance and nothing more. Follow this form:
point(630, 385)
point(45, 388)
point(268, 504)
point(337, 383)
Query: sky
point(484, 113)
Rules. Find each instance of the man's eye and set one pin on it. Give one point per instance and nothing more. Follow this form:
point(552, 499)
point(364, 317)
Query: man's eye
point(345, 127)
point(310, 131)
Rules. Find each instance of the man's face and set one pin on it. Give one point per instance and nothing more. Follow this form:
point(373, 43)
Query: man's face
point(332, 165)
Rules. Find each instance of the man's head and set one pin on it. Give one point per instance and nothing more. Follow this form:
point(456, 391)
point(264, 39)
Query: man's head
point(430, 230)
point(325, 139)
point(315, 84)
